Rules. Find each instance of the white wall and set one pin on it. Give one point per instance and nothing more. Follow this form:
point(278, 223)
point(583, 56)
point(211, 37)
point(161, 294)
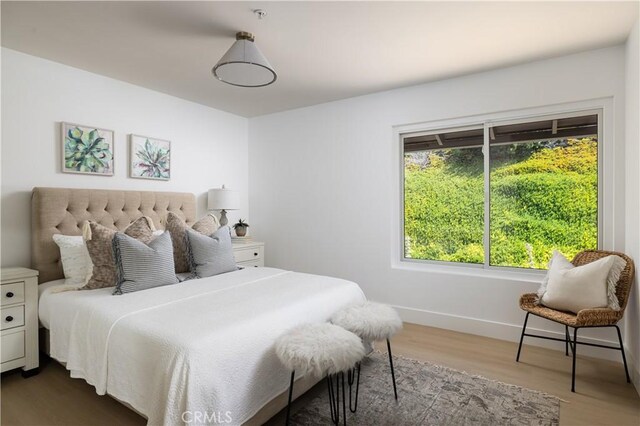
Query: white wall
point(321, 185)
point(320, 178)
point(632, 136)
point(209, 147)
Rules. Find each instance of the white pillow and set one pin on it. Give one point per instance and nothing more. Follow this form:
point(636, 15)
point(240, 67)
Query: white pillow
point(76, 262)
point(570, 288)
point(557, 261)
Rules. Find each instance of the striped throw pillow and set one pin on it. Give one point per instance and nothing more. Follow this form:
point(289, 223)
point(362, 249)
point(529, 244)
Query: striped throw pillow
point(177, 228)
point(211, 255)
point(99, 240)
point(141, 266)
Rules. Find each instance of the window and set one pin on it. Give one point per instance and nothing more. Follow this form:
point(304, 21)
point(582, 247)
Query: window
point(535, 192)
point(444, 196)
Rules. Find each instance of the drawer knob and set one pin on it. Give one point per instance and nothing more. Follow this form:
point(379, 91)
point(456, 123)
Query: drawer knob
point(255, 254)
point(9, 318)
point(9, 294)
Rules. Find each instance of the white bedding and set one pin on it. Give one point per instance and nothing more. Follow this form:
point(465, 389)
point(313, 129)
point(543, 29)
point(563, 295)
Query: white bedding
point(44, 290)
point(200, 346)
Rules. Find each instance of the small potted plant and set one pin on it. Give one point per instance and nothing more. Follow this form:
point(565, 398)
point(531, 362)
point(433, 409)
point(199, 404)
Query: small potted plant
point(241, 228)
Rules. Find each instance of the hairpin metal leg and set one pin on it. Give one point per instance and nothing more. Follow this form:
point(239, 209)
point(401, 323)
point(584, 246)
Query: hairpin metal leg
point(524, 328)
point(332, 401)
point(293, 374)
point(393, 374)
point(351, 378)
point(344, 400)
point(566, 340)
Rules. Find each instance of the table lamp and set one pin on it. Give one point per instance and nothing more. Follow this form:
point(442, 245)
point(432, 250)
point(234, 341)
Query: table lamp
point(223, 199)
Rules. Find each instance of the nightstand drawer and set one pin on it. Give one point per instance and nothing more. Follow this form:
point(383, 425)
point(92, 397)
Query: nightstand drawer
point(12, 293)
point(12, 317)
point(12, 346)
point(19, 319)
point(248, 254)
point(251, 263)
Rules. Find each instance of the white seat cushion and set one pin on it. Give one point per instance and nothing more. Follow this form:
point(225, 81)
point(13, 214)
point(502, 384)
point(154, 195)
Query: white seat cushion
point(371, 321)
point(319, 349)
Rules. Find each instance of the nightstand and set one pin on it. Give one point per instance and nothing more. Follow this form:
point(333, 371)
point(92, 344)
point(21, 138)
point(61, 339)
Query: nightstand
point(248, 254)
point(19, 318)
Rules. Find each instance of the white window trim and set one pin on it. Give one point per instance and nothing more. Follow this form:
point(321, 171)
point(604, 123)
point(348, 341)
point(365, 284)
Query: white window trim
point(602, 106)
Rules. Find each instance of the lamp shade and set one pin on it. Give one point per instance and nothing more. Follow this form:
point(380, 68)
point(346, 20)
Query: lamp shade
point(244, 65)
point(223, 199)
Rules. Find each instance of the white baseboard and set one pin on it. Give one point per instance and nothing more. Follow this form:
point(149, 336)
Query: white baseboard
point(504, 331)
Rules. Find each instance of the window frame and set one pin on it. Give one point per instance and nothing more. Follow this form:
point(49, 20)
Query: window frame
point(603, 108)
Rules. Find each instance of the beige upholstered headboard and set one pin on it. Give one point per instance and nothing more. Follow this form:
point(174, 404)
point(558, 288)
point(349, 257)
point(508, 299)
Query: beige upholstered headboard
point(64, 210)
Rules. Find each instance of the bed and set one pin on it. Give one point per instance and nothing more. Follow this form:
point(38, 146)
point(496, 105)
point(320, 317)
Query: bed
point(202, 346)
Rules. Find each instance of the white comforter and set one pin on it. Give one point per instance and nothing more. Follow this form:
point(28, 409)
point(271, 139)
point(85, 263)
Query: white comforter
point(200, 346)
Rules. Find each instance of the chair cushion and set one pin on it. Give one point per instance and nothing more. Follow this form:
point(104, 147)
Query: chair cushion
point(319, 349)
point(371, 321)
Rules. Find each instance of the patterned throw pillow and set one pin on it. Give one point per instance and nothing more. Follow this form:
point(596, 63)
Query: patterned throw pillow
point(141, 266)
point(76, 262)
point(211, 255)
point(99, 243)
point(177, 228)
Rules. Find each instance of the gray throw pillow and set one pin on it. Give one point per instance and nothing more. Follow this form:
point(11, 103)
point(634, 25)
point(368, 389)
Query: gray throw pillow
point(140, 266)
point(211, 255)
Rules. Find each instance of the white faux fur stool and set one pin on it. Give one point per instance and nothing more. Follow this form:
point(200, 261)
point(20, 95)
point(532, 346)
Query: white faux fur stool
point(371, 322)
point(322, 350)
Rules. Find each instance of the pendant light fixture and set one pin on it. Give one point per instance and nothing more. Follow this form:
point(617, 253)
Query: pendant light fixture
point(244, 65)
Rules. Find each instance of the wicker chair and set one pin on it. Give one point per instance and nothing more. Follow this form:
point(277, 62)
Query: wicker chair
point(586, 318)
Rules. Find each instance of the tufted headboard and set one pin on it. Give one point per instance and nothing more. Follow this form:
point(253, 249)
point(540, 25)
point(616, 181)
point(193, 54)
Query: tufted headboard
point(63, 211)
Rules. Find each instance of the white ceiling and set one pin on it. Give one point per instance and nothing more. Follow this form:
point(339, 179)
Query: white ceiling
point(322, 51)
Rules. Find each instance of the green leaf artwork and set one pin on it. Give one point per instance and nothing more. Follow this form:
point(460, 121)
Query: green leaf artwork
point(87, 150)
point(151, 158)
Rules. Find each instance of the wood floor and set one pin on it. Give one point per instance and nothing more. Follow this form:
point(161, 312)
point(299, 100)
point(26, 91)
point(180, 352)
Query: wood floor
point(603, 397)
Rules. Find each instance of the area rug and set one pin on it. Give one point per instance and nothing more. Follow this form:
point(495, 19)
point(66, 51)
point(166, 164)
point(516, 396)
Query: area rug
point(430, 394)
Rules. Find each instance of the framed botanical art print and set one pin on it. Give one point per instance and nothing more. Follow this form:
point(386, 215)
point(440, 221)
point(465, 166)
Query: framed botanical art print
point(150, 158)
point(87, 150)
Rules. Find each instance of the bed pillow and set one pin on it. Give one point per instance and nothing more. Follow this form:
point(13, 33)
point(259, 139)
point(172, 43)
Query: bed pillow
point(76, 262)
point(573, 288)
point(141, 266)
point(99, 244)
point(177, 228)
point(211, 255)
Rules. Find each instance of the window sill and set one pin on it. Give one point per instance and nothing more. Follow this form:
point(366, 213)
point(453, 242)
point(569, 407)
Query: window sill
point(529, 276)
